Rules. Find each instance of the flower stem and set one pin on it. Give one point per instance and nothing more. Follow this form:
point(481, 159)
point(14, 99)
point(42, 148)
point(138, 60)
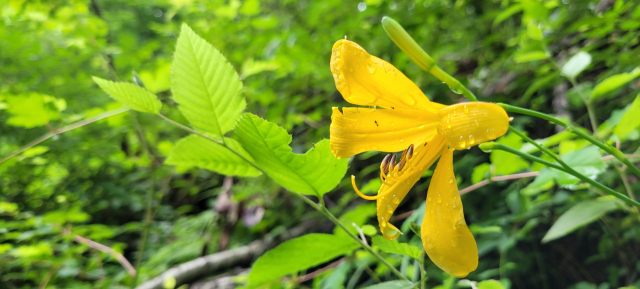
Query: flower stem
point(496, 146)
point(319, 207)
point(607, 148)
point(409, 46)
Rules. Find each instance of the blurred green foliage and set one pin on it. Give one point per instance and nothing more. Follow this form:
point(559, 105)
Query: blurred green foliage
point(107, 182)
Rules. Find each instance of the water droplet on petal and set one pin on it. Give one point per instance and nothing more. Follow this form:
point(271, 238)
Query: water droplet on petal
point(450, 180)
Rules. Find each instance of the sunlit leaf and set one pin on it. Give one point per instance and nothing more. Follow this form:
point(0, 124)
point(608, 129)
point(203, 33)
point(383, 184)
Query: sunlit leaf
point(396, 247)
point(196, 151)
point(613, 82)
point(505, 163)
point(131, 95)
point(205, 85)
point(298, 254)
point(490, 284)
point(630, 119)
point(33, 109)
point(313, 173)
point(580, 215)
point(504, 15)
point(587, 161)
point(530, 56)
point(576, 64)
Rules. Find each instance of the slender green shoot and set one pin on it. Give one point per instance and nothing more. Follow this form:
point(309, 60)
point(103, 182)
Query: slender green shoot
point(409, 46)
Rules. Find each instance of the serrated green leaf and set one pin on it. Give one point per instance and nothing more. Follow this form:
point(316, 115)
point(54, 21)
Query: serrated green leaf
point(613, 82)
point(196, 151)
point(396, 247)
point(397, 284)
point(205, 85)
point(298, 254)
point(630, 119)
point(580, 215)
point(131, 95)
point(576, 64)
point(314, 173)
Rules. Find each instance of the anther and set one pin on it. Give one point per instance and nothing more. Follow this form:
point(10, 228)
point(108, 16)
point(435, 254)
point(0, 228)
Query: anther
point(392, 163)
point(402, 163)
point(384, 166)
point(410, 152)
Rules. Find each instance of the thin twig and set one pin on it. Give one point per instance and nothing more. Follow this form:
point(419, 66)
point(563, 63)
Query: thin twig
point(497, 179)
point(313, 274)
point(95, 245)
point(65, 129)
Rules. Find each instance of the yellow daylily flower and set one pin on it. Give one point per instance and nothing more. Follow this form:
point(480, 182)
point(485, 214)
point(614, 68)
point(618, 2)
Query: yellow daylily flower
point(424, 131)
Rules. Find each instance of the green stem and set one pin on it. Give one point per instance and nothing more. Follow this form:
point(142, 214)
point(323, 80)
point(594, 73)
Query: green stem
point(406, 43)
point(537, 145)
point(607, 148)
point(496, 146)
point(588, 103)
point(319, 207)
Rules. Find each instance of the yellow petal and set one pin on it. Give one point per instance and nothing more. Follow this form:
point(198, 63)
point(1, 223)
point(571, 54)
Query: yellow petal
point(399, 182)
point(355, 130)
point(364, 79)
point(445, 235)
point(469, 124)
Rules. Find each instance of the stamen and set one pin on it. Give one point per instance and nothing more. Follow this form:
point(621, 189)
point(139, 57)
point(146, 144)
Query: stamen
point(402, 163)
point(383, 177)
point(384, 166)
point(392, 163)
point(410, 152)
point(371, 198)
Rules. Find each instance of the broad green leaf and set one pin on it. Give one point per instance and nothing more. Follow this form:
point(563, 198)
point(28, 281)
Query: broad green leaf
point(196, 151)
point(313, 173)
point(544, 181)
point(580, 215)
point(504, 15)
point(613, 82)
point(298, 254)
point(480, 172)
point(530, 56)
point(630, 119)
point(505, 163)
point(397, 284)
point(358, 215)
point(33, 109)
point(490, 284)
point(396, 247)
point(205, 85)
point(131, 95)
point(576, 64)
point(587, 161)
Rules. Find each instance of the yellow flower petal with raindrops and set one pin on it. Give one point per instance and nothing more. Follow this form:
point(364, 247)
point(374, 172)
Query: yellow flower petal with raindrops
point(424, 131)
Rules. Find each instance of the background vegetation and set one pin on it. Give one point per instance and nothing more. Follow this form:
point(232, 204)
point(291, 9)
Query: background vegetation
point(107, 181)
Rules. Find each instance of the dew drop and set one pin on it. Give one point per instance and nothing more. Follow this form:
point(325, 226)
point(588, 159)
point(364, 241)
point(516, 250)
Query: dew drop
point(455, 90)
point(450, 180)
point(466, 110)
point(477, 124)
point(429, 199)
point(462, 144)
point(472, 140)
point(371, 68)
